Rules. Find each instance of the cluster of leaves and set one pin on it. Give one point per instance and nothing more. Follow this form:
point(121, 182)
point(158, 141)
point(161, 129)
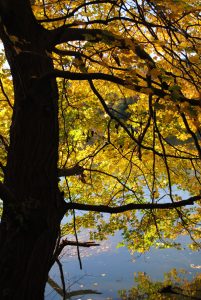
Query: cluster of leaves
point(174, 286)
point(129, 111)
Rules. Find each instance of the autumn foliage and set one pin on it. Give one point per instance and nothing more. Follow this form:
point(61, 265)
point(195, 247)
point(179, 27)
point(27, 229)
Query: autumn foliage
point(129, 113)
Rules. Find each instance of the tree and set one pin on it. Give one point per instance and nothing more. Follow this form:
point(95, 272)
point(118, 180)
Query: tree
point(106, 96)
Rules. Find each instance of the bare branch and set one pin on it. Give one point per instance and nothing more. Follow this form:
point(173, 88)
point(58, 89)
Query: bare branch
point(64, 34)
point(66, 242)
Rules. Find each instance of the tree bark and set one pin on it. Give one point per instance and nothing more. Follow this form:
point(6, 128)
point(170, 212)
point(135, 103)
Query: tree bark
point(31, 217)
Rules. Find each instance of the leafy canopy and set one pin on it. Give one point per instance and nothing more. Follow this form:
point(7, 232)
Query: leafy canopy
point(128, 74)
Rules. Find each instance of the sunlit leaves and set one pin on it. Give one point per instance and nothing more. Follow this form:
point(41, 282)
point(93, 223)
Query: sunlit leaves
point(136, 142)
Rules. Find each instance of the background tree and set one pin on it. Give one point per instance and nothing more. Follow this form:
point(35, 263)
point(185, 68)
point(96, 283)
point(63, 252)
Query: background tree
point(105, 95)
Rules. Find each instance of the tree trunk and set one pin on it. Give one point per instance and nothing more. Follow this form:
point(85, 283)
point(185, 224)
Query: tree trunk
point(30, 222)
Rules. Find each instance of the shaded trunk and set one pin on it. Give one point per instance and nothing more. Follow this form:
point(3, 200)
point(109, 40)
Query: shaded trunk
point(30, 223)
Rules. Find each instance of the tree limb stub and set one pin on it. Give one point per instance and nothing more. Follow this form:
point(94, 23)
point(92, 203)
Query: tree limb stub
point(132, 206)
point(76, 170)
point(66, 242)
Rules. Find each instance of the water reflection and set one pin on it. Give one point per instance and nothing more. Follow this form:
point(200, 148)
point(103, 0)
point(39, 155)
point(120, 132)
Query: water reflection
point(109, 270)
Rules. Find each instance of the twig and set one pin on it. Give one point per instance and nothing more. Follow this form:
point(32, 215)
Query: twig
point(74, 225)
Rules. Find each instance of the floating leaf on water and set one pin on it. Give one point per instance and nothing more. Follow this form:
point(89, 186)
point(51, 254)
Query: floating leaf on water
point(195, 267)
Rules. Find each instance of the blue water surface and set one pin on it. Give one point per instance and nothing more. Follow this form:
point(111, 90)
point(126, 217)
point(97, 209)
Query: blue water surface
point(108, 269)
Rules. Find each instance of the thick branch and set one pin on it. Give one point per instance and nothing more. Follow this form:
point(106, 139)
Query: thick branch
point(131, 206)
point(101, 76)
point(64, 34)
point(111, 78)
point(76, 170)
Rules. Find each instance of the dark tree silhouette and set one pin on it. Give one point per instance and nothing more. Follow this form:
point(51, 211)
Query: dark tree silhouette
point(33, 205)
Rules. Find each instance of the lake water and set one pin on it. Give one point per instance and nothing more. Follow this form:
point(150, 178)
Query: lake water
point(107, 269)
